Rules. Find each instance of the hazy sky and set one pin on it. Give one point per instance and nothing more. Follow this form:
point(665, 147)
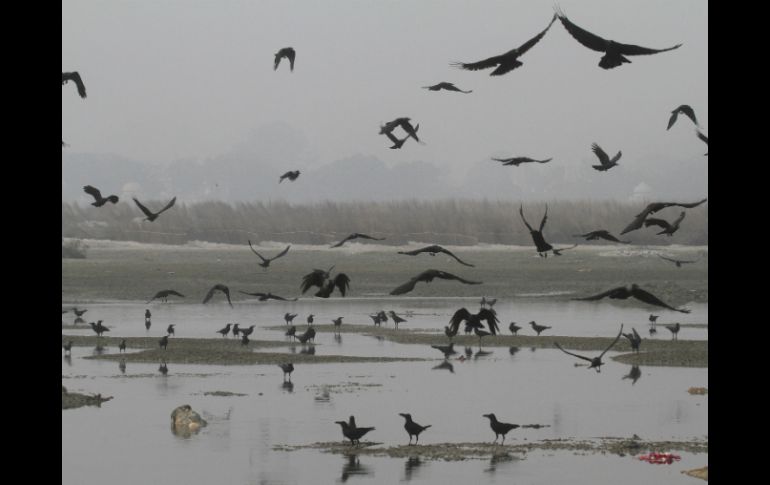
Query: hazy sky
point(194, 79)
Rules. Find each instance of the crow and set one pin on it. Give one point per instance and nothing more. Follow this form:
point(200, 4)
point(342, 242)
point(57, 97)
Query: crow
point(654, 207)
point(596, 362)
point(447, 86)
point(164, 294)
point(352, 432)
point(357, 235)
point(498, 427)
point(218, 287)
point(685, 110)
point(413, 428)
point(516, 161)
point(538, 328)
point(322, 279)
point(74, 77)
point(634, 339)
point(600, 234)
point(151, 216)
point(292, 176)
point(267, 296)
point(625, 292)
point(678, 262)
point(99, 200)
point(668, 228)
point(266, 261)
point(428, 276)
point(474, 321)
point(288, 53)
point(604, 160)
point(287, 369)
point(433, 250)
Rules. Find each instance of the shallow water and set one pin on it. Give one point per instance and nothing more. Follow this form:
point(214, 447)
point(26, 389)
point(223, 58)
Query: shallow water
point(135, 444)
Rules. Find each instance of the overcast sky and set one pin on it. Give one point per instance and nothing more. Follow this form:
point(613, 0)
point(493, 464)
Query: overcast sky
point(194, 79)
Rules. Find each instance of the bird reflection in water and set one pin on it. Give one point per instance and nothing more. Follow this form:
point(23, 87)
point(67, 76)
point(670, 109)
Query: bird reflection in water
point(445, 365)
point(122, 366)
point(352, 467)
point(99, 350)
point(288, 386)
point(497, 460)
point(163, 369)
point(338, 338)
point(513, 350)
point(68, 359)
point(634, 374)
point(481, 353)
point(309, 350)
point(411, 465)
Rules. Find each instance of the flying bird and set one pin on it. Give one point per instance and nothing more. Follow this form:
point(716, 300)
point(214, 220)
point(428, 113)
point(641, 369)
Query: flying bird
point(516, 161)
point(537, 236)
point(685, 110)
point(447, 86)
point(600, 234)
point(266, 261)
point(74, 77)
point(288, 53)
point(604, 159)
point(625, 292)
point(701, 136)
point(596, 362)
point(428, 276)
point(357, 235)
point(398, 143)
point(405, 124)
point(654, 207)
point(505, 62)
point(164, 294)
point(474, 321)
point(678, 262)
point(267, 296)
point(98, 199)
point(151, 216)
point(614, 52)
point(292, 176)
point(668, 229)
point(218, 287)
point(326, 284)
point(433, 250)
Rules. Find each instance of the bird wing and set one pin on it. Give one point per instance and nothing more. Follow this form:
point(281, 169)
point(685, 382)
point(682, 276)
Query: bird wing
point(75, 77)
point(534, 40)
point(460, 316)
point(521, 211)
point(209, 294)
point(476, 66)
point(592, 41)
point(282, 253)
point(657, 222)
point(392, 138)
point(635, 224)
point(636, 50)
point(545, 217)
point(543, 161)
point(93, 192)
point(691, 205)
point(255, 251)
point(414, 252)
point(406, 287)
point(352, 236)
point(672, 120)
point(689, 112)
point(449, 276)
point(669, 259)
point(277, 59)
point(342, 282)
point(607, 293)
point(364, 236)
point(259, 295)
point(649, 298)
point(604, 159)
point(291, 55)
point(446, 251)
point(703, 138)
point(570, 353)
point(316, 278)
point(226, 291)
point(490, 316)
point(172, 292)
point(613, 342)
point(168, 206)
point(143, 208)
point(616, 157)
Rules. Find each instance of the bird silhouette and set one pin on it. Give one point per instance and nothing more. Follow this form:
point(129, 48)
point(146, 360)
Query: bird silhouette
point(428, 276)
point(337, 323)
point(413, 428)
point(399, 142)
point(225, 330)
point(403, 123)
point(514, 328)
point(506, 62)
point(289, 317)
point(498, 427)
point(352, 432)
point(538, 328)
point(433, 250)
point(625, 292)
point(122, 346)
point(247, 331)
point(605, 163)
point(396, 319)
point(516, 161)
point(151, 216)
point(474, 321)
point(308, 335)
point(218, 287)
point(596, 362)
point(668, 228)
point(674, 329)
point(326, 284)
point(289, 54)
point(266, 261)
point(634, 374)
point(79, 313)
point(376, 319)
point(74, 77)
point(685, 110)
point(701, 136)
point(614, 52)
point(163, 342)
point(600, 234)
point(170, 329)
point(537, 236)
point(244, 340)
point(654, 207)
point(634, 340)
point(267, 296)
point(236, 330)
point(446, 86)
point(447, 350)
point(310, 319)
point(292, 176)
point(357, 235)
point(678, 262)
point(98, 199)
point(292, 332)
point(67, 348)
point(287, 368)
point(164, 294)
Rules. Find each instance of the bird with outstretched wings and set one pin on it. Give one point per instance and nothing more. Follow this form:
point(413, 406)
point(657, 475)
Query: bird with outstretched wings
point(668, 228)
point(600, 234)
point(218, 287)
point(516, 161)
point(678, 262)
point(605, 163)
point(288, 53)
point(97, 195)
point(654, 207)
point(267, 296)
point(357, 235)
point(474, 320)
point(428, 276)
point(701, 136)
point(322, 279)
point(446, 86)
point(164, 294)
point(74, 77)
point(596, 362)
point(151, 216)
point(266, 261)
point(625, 292)
point(685, 110)
point(432, 250)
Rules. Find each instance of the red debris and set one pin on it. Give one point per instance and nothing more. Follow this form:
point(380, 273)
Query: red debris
point(660, 458)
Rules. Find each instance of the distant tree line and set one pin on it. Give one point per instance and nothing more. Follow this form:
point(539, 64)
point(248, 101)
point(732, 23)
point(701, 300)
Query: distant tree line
point(451, 222)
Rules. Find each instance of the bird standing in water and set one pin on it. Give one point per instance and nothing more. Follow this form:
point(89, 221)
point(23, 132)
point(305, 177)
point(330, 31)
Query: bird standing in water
point(498, 427)
point(413, 428)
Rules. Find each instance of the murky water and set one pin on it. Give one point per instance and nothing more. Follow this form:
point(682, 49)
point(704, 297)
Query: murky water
point(128, 440)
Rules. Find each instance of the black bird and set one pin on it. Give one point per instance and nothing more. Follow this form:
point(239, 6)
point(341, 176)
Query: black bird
point(447, 86)
point(163, 369)
point(292, 176)
point(596, 362)
point(450, 332)
point(122, 345)
point(310, 319)
point(292, 332)
point(505, 62)
point(79, 313)
point(701, 136)
point(428, 276)
point(653, 208)
point(266, 261)
point(247, 331)
point(498, 427)
point(405, 124)
point(151, 216)
point(236, 331)
point(516, 161)
point(538, 328)
point(447, 350)
point(600, 234)
point(433, 250)
point(485, 302)
point(352, 432)
point(98, 199)
point(605, 163)
point(218, 287)
point(537, 236)
point(288, 53)
point(396, 319)
point(634, 374)
point(122, 366)
point(685, 110)
point(225, 330)
point(678, 262)
point(163, 342)
point(668, 228)
point(398, 143)
point(376, 319)
point(383, 316)
point(244, 340)
point(267, 296)
point(164, 294)
point(625, 292)
point(413, 428)
point(674, 329)
point(322, 279)
point(634, 339)
point(170, 329)
point(337, 323)
point(653, 321)
point(514, 328)
point(147, 319)
point(289, 317)
point(74, 77)
point(474, 321)
point(357, 235)
point(287, 369)
point(68, 347)
point(98, 328)
point(614, 52)
point(308, 335)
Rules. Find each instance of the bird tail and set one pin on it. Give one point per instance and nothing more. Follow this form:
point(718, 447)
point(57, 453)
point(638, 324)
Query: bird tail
point(608, 62)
